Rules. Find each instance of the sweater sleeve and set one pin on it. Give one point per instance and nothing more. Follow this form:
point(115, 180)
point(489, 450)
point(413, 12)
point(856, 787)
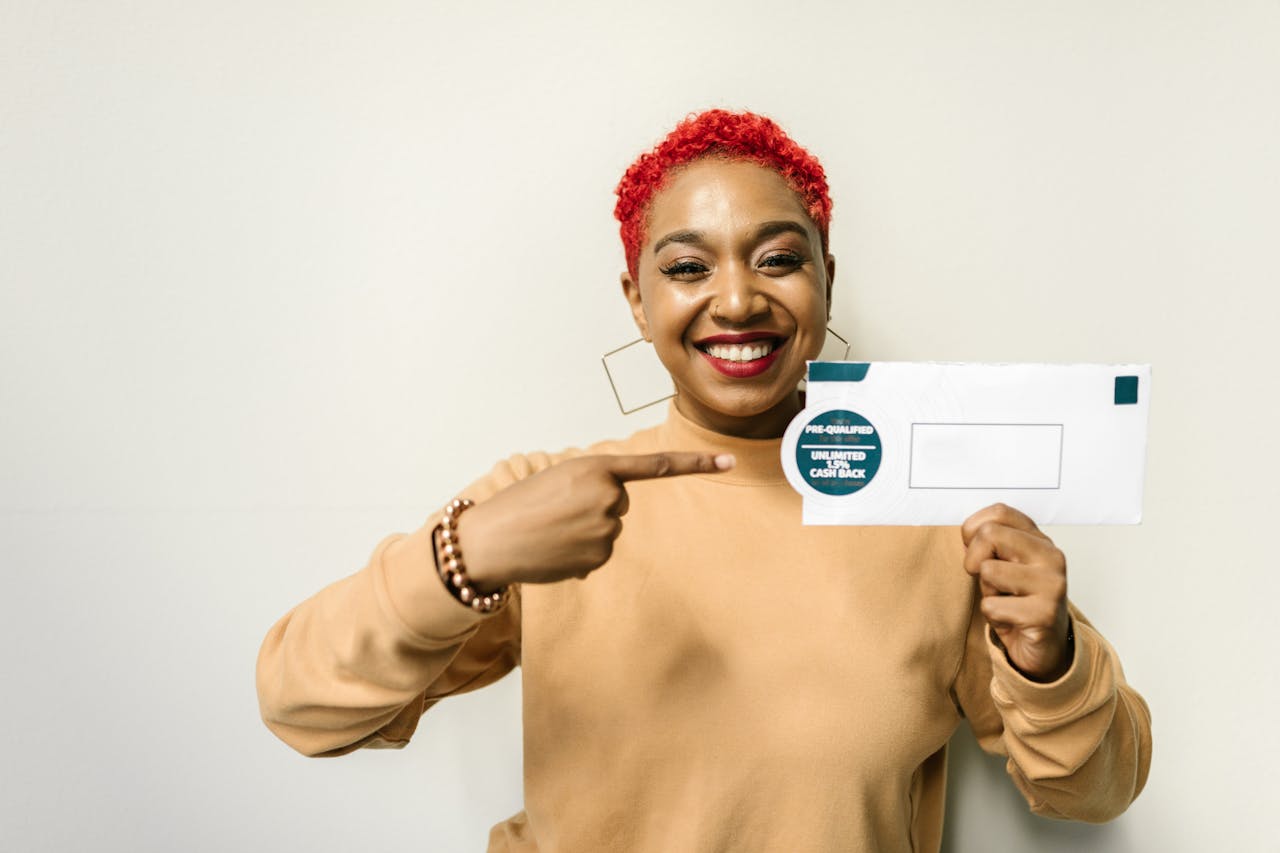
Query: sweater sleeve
point(1078, 748)
point(357, 664)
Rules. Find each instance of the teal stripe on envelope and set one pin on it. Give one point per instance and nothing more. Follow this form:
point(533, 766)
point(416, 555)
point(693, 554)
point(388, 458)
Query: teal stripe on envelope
point(838, 371)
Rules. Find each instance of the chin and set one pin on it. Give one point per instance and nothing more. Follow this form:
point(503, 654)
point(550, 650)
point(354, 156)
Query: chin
point(747, 404)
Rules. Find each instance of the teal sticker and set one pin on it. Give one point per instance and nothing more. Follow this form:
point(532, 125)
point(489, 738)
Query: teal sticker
point(838, 452)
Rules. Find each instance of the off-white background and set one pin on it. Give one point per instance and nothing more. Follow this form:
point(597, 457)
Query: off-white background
point(278, 277)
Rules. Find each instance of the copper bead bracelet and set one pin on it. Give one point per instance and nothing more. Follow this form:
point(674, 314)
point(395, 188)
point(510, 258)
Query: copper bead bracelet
point(453, 571)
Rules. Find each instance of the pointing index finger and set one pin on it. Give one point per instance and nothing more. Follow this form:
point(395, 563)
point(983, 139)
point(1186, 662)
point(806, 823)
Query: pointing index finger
point(650, 466)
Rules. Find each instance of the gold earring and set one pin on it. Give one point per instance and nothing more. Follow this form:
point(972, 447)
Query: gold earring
point(637, 379)
point(803, 384)
point(833, 333)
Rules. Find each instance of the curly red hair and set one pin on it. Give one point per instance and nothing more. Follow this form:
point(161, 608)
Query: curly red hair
point(720, 133)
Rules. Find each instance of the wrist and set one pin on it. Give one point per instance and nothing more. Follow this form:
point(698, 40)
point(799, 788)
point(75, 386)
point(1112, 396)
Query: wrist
point(1068, 653)
point(451, 564)
point(1047, 674)
point(482, 570)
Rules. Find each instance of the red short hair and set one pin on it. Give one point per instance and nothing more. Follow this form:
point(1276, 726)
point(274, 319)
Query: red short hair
point(736, 136)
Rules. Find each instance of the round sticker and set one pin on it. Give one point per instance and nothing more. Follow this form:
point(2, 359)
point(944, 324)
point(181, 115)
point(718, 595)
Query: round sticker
point(838, 452)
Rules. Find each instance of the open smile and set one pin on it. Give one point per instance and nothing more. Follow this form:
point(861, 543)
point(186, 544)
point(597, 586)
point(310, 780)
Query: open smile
point(742, 356)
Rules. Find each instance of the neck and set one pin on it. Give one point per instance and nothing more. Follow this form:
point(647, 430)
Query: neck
point(771, 423)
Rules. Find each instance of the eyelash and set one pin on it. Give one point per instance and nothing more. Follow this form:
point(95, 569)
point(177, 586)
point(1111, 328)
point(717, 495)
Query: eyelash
point(683, 268)
point(781, 260)
point(787, 259)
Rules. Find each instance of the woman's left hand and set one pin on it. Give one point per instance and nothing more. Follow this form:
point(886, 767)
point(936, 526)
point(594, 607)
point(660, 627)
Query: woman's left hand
point(1023, 579)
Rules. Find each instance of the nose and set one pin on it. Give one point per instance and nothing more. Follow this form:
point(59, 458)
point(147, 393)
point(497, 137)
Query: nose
point(738, 300)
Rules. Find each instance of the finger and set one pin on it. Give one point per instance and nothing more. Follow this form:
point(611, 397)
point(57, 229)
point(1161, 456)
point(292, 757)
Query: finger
point(1000, 514)
point(650, 466)
point(997, 541)
point(621, 505)
point(1005, 612)
point(1000, 577)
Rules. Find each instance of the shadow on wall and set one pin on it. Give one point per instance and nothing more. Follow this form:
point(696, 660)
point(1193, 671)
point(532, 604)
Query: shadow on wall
point(987, 814)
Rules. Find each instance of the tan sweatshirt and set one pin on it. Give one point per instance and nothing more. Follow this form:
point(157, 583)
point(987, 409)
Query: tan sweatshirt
point(729, 681)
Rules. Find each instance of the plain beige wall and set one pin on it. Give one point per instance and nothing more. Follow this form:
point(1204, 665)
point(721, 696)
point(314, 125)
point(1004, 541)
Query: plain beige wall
point(278, 277)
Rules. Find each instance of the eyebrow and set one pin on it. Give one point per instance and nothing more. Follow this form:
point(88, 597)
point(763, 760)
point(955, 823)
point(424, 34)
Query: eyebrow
point(781, 226)
point(766, 229)
point(693, 238)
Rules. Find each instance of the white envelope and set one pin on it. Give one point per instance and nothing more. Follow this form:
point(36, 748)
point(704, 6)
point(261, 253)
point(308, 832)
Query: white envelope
point(932, 443)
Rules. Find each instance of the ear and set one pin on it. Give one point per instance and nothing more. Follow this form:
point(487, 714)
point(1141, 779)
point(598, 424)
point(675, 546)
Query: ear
point(831, 279)
point(631, 291)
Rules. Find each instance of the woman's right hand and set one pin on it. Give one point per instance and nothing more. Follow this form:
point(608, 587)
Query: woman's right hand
point(561, 522)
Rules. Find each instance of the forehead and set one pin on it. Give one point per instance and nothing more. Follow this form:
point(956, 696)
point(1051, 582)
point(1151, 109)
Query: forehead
point(722, 196)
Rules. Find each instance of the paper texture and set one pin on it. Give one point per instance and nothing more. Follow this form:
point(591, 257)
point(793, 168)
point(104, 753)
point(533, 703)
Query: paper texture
point(932, 443)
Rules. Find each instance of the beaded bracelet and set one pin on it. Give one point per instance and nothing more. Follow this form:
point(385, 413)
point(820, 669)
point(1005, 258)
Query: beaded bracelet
point(453, 571)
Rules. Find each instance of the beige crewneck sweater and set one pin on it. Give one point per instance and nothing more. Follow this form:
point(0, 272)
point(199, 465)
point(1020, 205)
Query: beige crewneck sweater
point(729, 681)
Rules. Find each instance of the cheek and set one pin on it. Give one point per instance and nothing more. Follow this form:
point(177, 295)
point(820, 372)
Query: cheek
point(669, 316)
point(813, 344)
point(811, 321)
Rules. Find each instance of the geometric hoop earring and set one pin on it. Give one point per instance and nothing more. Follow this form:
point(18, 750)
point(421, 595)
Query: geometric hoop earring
point(639, 377)
point(844, 356)
point(833, 333)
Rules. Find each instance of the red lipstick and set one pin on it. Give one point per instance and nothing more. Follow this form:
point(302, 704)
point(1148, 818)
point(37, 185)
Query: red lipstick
point(745, 338)
point(742, 369)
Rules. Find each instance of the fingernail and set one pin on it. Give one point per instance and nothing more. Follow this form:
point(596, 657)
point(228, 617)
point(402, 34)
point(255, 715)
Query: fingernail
point(725, 461)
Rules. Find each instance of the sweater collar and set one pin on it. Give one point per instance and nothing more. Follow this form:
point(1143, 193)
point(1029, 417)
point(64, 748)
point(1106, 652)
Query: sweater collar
point(759, 460)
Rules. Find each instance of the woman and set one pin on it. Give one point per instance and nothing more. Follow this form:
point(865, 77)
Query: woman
point(701, 672)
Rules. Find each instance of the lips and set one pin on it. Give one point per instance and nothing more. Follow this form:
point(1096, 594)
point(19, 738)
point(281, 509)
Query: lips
point(744, 355)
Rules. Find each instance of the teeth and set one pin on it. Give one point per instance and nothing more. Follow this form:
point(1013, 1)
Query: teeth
point(738, 352)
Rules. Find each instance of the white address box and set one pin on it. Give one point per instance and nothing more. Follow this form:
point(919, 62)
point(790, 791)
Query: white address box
point(986, 456)
point(932, 443)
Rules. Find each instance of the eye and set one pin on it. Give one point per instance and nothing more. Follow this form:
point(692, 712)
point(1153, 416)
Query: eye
point(685, 270)
point(781, 261)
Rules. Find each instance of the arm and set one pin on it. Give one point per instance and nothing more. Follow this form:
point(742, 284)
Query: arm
point(358, 663)
point(1078, 747)
point(1077, 737)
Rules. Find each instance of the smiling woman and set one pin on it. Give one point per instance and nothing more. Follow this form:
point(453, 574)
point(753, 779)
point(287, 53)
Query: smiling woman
point(701, 672)
point(734, 294)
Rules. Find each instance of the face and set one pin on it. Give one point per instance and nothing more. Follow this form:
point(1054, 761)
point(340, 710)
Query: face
point(734, 292)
